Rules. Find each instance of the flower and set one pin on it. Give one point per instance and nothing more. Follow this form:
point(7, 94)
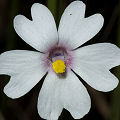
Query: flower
point(59, 56)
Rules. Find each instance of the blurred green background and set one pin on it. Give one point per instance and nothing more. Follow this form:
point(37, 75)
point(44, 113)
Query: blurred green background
point(105, 106)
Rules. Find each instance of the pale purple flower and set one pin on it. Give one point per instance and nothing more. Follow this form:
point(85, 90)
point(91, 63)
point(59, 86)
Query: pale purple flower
point(58, 57)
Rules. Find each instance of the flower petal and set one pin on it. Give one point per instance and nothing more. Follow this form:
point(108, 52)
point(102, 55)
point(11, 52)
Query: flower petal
point(93, 63)
point(49, 106)
point(74, 30)
point(22, 83)
point(63, 92)
point(16, 61)
point(41, 33)
point(26, 68)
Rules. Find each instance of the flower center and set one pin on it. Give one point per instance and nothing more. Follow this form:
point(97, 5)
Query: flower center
point(58, 56)
point(59, 66)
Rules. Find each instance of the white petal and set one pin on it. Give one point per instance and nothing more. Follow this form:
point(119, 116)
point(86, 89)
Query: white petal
point(93, 63)
point(41, 33)
point(74, 30)
point(49, 106)
point(26, 68)
point(65, 92)
point(16, 61)
point(22, 83)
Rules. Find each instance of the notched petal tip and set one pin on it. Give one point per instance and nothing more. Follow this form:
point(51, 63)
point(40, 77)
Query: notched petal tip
point(35, 6)
point(101, 57)
point(38, 9)
point(9, 93)
point(78, 115)
point(100, 18)
point(78, 2)
point(112, 87)
point(18, 21)
point(97, 18)
point(17, 18)
point(75, 5)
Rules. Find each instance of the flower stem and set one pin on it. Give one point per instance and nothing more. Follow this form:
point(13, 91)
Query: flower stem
point(60, 10)
point(56, 7)
point(52, 5)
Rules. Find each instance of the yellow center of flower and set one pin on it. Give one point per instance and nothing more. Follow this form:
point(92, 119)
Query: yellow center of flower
point(59, 66)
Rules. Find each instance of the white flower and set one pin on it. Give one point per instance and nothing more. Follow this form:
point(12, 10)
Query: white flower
point(58, 56)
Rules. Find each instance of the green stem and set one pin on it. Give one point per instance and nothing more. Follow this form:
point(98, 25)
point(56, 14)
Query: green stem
point(56, 7)
point(52, 5)
point(60, 10)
